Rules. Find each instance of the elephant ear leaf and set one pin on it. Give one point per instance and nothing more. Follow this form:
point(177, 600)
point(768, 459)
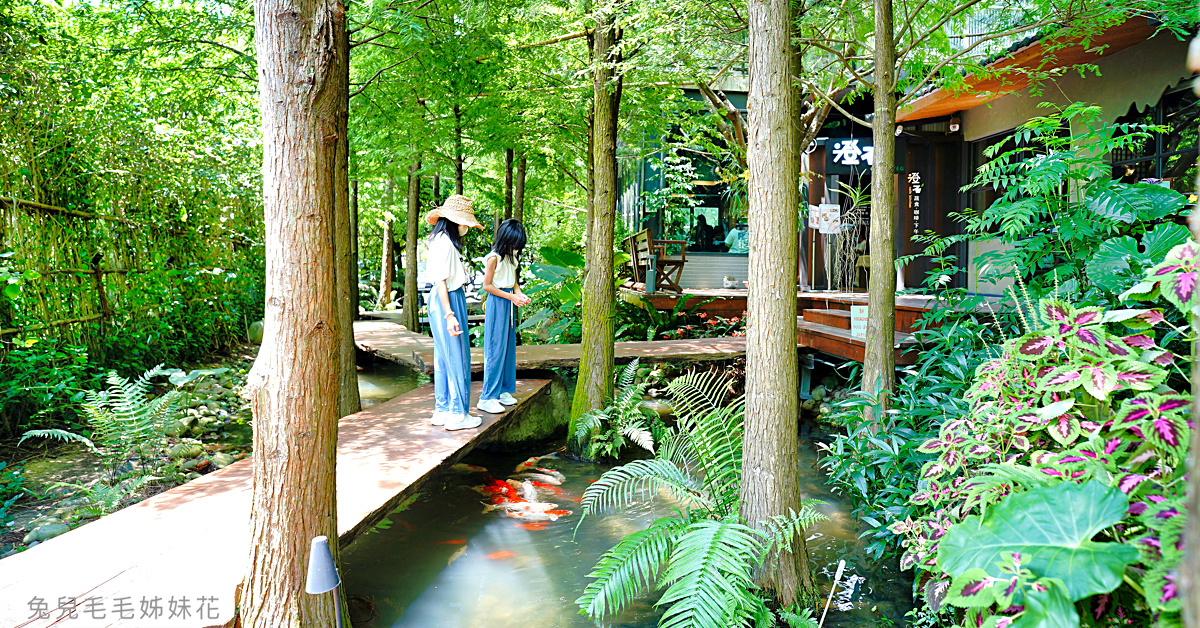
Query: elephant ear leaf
point(1052, 529)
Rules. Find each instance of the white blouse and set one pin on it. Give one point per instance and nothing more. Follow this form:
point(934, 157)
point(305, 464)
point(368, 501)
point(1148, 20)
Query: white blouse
point(505, 275)
point(444, 262)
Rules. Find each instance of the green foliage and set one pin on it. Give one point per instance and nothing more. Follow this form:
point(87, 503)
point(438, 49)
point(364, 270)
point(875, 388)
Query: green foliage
point(1062, 216)
point(43, 380)
point(1073, 434)
point(642, 320)
point(704, 557)
point(11, 481)
point(1051, 528)
point(605, 432)
point(557, 291)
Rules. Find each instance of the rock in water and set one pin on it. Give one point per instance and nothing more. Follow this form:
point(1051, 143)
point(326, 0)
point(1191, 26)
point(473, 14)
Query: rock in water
point(46, 531)
point(185, 450)
point(256, 332)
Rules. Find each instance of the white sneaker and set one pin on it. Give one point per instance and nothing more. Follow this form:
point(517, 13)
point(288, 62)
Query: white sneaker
point(508, 399)
point(462, 422)
point(439, 417)
point(491, 406)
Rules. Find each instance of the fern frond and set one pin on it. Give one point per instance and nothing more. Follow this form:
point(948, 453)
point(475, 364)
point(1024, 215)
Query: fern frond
point(628, 374)
point(698, 392)
point(57, 434)
point(639, 435)
point(709, 573)
point(797, 617)
point(620, 486)
point(629, 569)
point(716, 437)
point(782, 530)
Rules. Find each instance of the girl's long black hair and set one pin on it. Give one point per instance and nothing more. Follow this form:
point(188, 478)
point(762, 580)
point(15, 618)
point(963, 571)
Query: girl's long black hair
point(450, 228)
point(510, 239)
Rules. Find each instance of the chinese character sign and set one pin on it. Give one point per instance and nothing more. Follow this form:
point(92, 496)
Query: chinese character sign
point(852, 152)
point(914, 199)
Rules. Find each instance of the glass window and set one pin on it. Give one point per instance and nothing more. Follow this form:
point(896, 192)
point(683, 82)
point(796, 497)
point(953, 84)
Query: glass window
point(1169, 155)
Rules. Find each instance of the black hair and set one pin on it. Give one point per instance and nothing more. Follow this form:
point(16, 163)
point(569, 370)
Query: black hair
point(510, 239)
point(448, 227)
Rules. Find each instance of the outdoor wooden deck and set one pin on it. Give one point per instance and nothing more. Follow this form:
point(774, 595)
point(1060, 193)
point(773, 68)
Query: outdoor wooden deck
point(395, 343)
point(193, 541)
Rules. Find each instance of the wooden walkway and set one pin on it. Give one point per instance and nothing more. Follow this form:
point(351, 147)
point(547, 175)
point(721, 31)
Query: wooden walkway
point(193, 541)
point(395, 343)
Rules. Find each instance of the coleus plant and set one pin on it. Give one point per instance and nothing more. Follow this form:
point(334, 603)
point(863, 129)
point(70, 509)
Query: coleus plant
point(1084, 396)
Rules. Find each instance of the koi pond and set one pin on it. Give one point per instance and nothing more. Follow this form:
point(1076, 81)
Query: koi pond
point(447, 560)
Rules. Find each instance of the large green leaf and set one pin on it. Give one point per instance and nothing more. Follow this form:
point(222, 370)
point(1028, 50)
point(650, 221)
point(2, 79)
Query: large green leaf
point(1131, 202)
point(1119, 262)
point(1052, 529)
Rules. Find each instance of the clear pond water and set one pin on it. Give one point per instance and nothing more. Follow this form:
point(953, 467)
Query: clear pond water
point(444, 562)
point(441, 561)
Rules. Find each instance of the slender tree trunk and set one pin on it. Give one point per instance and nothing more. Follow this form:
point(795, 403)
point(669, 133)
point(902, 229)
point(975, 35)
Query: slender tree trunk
point(519, 190)
point(590, 203)
point(437, 189)
point(354, 233)
point(347, 276)
point(508, 183)
point(599, 292)
point(1190, 572)
point(411, 317)
point(387, 256)
point(879, 367)
point(294, 383)
point(770, 478)
point(458, 150)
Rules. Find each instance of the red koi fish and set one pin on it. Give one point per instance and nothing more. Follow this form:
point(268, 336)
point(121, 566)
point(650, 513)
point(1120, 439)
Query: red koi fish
point(558, 513)
point(537, 525)
point(501, 555)
point(452, 542)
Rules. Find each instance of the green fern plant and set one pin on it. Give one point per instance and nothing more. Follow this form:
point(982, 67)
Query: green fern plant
point(605, 432)
point(106, 498)
point(704, 557)
point(124, 419)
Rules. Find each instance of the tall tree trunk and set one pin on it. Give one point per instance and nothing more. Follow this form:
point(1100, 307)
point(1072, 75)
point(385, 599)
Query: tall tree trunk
point(519, 190)
point(590, 203)
point(437, 189)
point(411, 318)
point(387, 260)
point(879, 367)
point(770, 478)
point(508, 183)
point(599, 293)
point(1190, 572)
point(347, 275)
point(458, 150)
point(294, 383)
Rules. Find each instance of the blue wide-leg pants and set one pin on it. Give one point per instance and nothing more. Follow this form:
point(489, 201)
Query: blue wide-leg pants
point(451, 355)
point(499, 348)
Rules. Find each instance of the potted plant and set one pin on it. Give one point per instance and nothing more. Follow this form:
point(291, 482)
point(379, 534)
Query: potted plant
point(729, 282)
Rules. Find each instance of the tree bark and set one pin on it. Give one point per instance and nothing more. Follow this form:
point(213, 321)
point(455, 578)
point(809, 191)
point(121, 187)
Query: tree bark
point(595, 384)
point(387, 257)
point(519, 190)
point(879, 366)
point(354, 232)
point(347, 271)
point(770, 477)
point(1190, 571)
point(508, 183)
point(411, 318)
point(458, 150)
point(437, 189)
point(294, 383)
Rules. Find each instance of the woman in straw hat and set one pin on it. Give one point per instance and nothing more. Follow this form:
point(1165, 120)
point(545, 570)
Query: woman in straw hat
point(448, 311)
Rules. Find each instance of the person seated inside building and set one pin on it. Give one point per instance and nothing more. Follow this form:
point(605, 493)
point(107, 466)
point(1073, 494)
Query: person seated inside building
point(703, 237)
point(737, 239)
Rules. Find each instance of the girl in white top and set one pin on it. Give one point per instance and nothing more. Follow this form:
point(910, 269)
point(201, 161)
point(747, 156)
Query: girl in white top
point(500, 281)
point(447, 312)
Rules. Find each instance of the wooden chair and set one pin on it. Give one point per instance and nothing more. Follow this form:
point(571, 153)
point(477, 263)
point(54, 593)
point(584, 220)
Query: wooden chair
point(668, 268)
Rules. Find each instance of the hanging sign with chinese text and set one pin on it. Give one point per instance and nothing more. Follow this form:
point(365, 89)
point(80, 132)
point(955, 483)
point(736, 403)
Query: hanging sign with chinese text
point(848, 155)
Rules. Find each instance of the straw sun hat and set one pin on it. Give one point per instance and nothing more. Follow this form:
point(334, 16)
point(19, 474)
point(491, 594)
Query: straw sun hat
point(457, 209)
